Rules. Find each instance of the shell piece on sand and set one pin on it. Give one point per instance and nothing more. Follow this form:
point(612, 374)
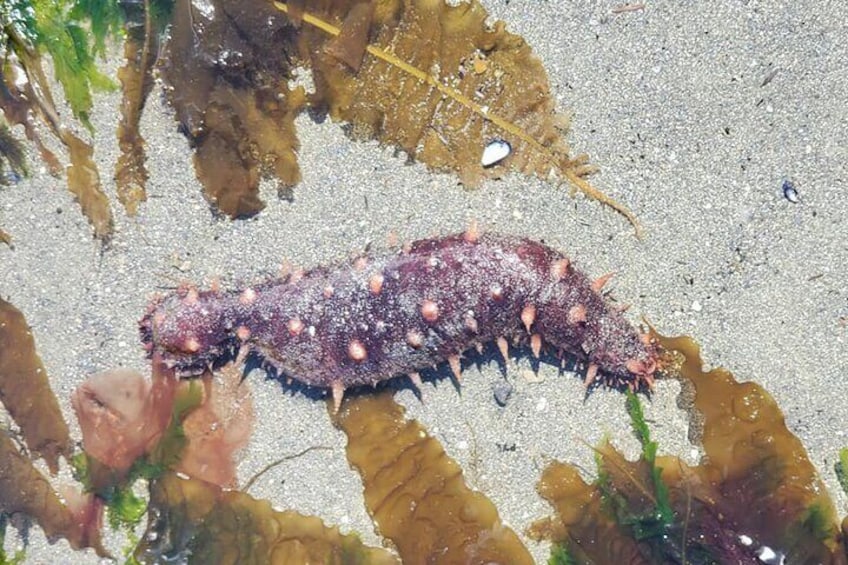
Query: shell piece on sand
point(495, 152)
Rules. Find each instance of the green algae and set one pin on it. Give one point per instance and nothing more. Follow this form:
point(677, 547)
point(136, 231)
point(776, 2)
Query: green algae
point(755, 490)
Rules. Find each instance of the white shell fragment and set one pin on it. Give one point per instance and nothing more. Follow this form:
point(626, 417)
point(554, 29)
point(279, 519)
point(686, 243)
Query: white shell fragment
point(790, 192)
point(771, 557)
point(495, 152)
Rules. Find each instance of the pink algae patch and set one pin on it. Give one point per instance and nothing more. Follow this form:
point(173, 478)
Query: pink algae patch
point(218, 429)
point(123, 416)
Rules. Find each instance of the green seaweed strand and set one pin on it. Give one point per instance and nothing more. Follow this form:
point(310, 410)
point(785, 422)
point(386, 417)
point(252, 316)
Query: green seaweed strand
point(561, 556)
point(663, 511)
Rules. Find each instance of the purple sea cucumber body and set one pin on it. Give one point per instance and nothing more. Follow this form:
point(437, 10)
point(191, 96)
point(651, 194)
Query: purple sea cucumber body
point(379, 317)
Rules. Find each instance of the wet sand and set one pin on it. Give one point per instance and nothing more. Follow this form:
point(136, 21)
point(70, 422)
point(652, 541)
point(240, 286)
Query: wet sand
point(696, 115)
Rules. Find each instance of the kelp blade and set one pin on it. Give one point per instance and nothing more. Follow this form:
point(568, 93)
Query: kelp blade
point(25, 390)
point(196, 522)
point(416, 494)
point(756, 489)
point(226, 71)
point(24, 490)
point(441, 83)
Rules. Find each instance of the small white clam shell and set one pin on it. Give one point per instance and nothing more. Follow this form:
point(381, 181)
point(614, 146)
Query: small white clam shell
point(496, 151)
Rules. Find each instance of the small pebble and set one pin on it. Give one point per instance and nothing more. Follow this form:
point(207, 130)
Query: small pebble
point(790, 192)
point(502, 391)
point(696, 306)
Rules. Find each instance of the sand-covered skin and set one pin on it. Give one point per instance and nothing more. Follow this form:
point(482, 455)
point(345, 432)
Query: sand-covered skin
point(696, 115)
point(381, 317)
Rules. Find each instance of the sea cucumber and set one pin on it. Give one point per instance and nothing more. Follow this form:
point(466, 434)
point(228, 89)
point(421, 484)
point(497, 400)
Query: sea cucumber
point(375, 318)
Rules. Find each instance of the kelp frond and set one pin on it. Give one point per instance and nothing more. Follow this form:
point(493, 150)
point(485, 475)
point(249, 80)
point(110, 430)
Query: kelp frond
point(506, 58)
point(70, 32)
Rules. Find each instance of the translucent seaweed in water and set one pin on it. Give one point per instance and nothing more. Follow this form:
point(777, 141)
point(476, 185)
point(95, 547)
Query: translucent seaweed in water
point(416, 493)
point(196, 522)
point(755, 493)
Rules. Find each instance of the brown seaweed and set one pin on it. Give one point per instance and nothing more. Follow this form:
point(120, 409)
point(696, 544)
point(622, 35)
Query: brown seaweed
point(11, 155)
point(416, 493)
point(227, 80)
point(430, 78)
point(440, 83)
point(19, 106)
point(200, 523)
point(84, 184)
point(25, 95)
point(26, 394)
point(25, 390)
point(23, 489)
point(755, 490)
point(141, 46)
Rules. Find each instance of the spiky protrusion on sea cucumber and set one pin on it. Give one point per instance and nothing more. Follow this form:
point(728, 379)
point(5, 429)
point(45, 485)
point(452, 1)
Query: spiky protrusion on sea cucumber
point(380, 317)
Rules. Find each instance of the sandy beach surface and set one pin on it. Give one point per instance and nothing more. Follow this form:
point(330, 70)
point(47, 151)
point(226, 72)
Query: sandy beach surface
point(696, 113)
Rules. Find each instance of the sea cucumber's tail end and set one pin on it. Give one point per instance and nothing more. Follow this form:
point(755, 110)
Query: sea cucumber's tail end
point(642, 372)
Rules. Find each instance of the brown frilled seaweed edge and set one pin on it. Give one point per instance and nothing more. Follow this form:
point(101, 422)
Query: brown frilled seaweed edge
point(754, 498)
point(432, 79)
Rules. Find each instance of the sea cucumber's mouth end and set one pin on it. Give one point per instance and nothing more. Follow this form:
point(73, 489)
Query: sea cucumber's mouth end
point(184, 363)
point(147, 324)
